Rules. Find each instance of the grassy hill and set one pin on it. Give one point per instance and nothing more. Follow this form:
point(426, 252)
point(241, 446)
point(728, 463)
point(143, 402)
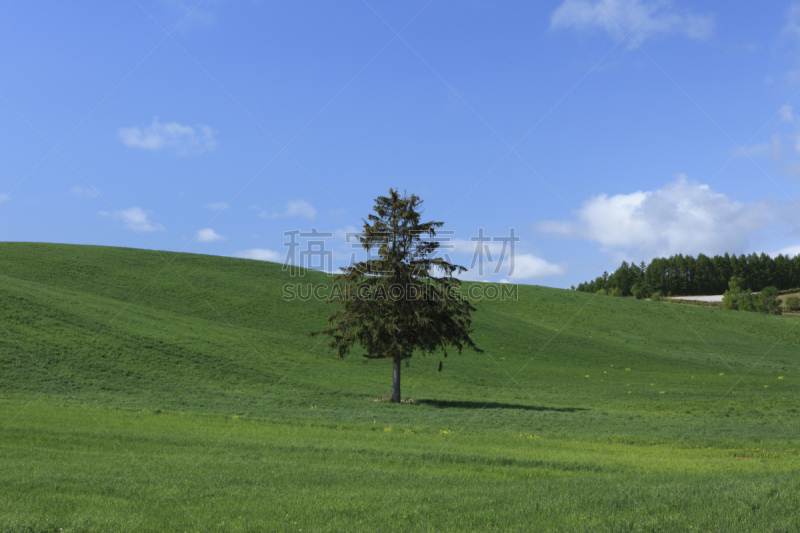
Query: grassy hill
point(146, 390)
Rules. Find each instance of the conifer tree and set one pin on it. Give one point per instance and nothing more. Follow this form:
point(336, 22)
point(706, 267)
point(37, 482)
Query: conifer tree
point(395, 304)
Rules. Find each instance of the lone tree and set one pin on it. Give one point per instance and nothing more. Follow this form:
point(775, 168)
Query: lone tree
point(395, 304)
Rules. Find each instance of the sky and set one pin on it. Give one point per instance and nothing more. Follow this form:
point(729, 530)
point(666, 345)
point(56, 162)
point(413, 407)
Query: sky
point(596, 131)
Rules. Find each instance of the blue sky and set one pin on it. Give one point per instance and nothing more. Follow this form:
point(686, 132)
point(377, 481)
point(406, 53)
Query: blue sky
point(598, 130)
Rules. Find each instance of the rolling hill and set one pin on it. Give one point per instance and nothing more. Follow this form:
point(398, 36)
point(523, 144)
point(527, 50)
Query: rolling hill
point(144, 359)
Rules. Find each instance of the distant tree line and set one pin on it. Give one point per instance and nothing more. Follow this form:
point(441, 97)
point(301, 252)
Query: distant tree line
point(683, 275)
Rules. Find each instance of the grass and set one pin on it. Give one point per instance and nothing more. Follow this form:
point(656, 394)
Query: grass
point(142, 395)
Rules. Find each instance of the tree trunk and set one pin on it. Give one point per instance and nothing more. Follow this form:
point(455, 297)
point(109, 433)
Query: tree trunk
point(396, 381)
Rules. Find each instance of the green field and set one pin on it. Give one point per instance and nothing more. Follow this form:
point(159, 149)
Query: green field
point(149, 391)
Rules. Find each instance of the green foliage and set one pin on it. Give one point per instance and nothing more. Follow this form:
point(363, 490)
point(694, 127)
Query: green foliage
point(736, 282)
point(639, 291)
point(616, 291)
point(395, 305)
point(656, 297)
point(736, 299)
point(680, 275)
point(730, 300)
point(793, 303)
point(768, 302)
point(146, 391)
point(748, 302)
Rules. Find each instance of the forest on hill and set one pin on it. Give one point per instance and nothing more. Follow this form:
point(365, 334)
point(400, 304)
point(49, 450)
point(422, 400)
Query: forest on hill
point(684, 275)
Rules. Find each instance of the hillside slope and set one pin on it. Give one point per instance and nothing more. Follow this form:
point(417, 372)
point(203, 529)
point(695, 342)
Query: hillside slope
point(141, 329)
point(152, 391)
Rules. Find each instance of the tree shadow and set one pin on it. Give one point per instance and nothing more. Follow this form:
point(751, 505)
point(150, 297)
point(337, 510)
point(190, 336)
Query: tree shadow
point(496, 405)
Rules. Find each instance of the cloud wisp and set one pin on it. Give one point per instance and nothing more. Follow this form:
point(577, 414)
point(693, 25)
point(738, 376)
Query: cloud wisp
point(497, 261)
point(295, 208)
point(787, 46)
point(783, 148)
point(682, 217)
point(183, 139)
point(789, 251)
point(209, 235)
point(134, 218)
point(638, 19)
point(260, 254)
point(87, 192)
point(529, 266)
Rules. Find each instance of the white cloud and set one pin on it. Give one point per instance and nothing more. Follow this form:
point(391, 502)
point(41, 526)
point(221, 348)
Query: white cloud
point(788, 42)
point(467, 246)
point(792, 27)
point(785, 153)
point(300, 208)
point(783, 147)
point(209, 235)
point(340, 234)
point(217, 206)
point(88, 192)
point(260, 254)
point(638, 19)
point(527, 266)
point(134, 218)
point(296, 208)
point(790, 251)
point(784, 144)
point(683, 217)
point(185, 139)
